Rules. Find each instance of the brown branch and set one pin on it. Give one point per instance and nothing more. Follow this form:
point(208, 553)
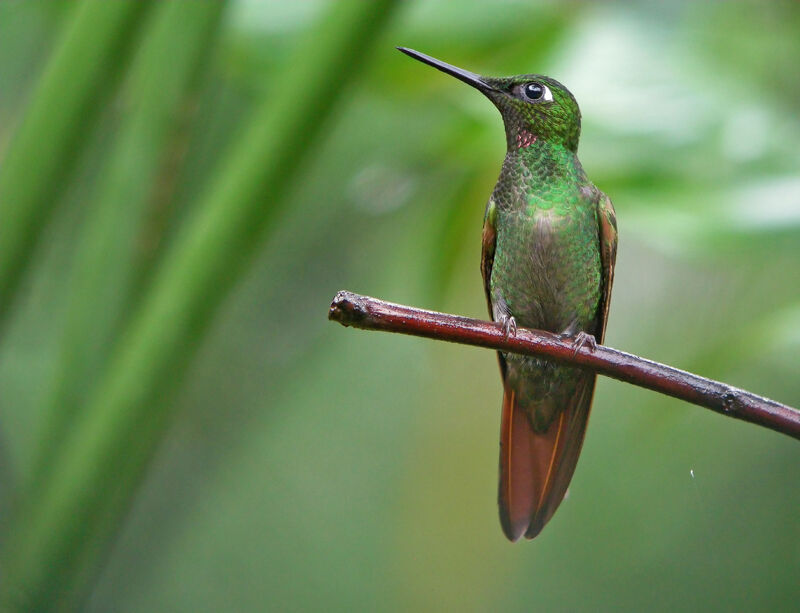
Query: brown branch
point(372, 314)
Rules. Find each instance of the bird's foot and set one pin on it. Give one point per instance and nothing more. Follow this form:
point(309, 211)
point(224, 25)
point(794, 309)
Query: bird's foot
point(509, 326)
point(581, 339)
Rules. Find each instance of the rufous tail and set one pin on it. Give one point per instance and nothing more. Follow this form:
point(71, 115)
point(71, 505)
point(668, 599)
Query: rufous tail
point(536, 467)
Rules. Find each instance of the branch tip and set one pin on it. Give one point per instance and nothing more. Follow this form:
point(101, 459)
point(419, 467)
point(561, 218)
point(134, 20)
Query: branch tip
point(347, 308)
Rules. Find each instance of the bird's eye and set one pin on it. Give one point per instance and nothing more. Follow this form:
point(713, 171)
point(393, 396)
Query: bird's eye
point(537, 92)
point(533, 91)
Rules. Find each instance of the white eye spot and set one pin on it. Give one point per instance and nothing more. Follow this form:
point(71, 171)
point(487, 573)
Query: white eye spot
point(547, 96)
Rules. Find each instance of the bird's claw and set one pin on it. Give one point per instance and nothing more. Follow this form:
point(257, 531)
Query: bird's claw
point(581, 339)
point(509, 327)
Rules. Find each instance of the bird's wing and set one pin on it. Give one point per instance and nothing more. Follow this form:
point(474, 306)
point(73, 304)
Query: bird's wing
point(488, 242)
point(607, 221)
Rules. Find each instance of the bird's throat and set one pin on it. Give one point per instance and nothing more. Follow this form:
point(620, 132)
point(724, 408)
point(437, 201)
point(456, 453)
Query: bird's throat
point(542, 162)
point(524, 138)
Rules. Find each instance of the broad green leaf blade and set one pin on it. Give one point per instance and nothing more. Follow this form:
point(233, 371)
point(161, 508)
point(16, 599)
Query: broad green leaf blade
point(104, 271)
point(69, 98)
point(67, 520)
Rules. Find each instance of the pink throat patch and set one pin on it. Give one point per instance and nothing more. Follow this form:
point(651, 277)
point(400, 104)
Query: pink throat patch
point(525, 139)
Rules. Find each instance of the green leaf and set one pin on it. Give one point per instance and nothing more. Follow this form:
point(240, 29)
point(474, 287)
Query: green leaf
point(100, 291)
point(68, 518)
point(68, 100)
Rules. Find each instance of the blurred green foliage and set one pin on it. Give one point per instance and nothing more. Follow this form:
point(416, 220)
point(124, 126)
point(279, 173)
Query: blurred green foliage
point(301, 466)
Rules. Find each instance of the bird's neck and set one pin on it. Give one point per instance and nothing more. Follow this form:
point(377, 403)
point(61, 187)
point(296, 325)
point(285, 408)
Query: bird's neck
point(541, 160)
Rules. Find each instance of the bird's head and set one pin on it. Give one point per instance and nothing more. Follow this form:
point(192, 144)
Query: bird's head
point(533, 106)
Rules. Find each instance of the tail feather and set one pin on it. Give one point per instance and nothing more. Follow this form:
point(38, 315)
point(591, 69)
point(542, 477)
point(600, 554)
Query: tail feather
point(536, 468)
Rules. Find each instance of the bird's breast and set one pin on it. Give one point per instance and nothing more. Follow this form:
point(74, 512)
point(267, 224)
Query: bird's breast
point(547, 264)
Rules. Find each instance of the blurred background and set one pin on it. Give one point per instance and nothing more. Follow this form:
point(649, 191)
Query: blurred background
point(184, 187)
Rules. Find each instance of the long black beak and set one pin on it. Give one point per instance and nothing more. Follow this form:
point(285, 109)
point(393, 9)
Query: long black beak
point(468, 77)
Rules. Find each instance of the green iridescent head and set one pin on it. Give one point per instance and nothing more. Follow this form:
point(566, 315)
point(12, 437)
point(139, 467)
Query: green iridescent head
point(533, 106)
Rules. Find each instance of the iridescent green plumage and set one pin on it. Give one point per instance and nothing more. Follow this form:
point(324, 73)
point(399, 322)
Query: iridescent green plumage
point(549, 244)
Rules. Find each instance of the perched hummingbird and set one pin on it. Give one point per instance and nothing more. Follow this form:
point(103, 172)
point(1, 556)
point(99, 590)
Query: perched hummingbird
point(549, 245)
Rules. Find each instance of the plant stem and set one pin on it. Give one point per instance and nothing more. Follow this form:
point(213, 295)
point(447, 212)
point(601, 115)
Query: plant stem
point(373, 314)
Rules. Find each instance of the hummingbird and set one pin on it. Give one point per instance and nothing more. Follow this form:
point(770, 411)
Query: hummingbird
point(549, 244)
